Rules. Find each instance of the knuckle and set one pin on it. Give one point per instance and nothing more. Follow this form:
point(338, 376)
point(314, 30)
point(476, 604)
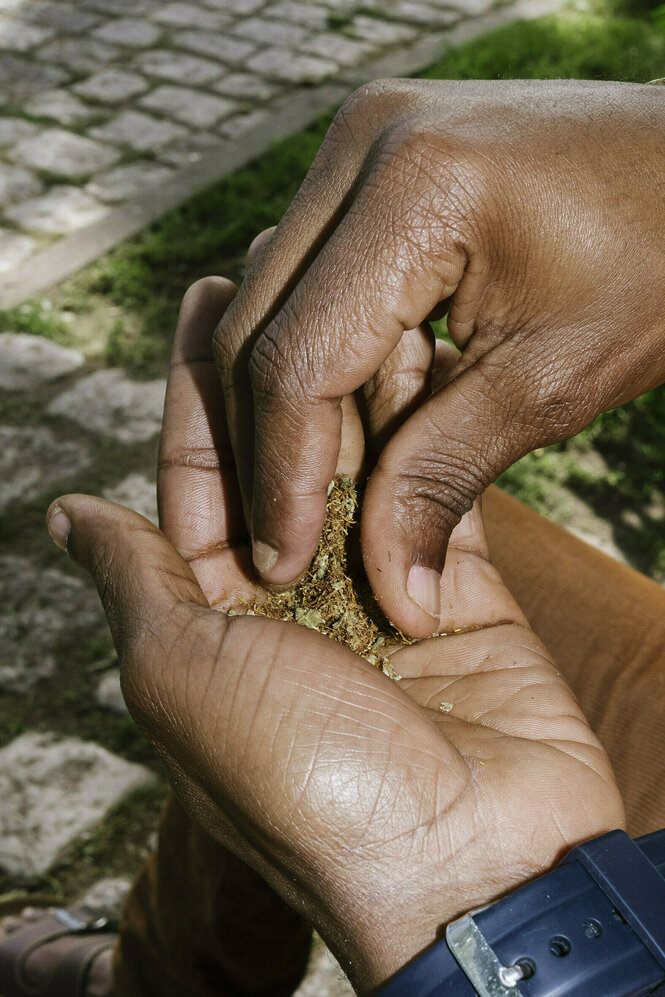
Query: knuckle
point(222, 348)
point(279, 365)
point(370, 97)
point(439, 489)
point(267, 375)
point(557, 393)
point(560, 406)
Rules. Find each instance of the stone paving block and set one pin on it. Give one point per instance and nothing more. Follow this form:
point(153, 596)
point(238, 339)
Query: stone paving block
point(179, 68)
point(199, 110)
point(229, 50)
point(237, 6)
point(120, 7)
point(324, 976)
point(17, 36)
point(17, 184)
point(243, 123)
point(12, 130)
point(381, 32)
point(27, 361)
point(109, 694)
point(108, 895)
point(473, 8)
point(129, 32)
point(191, 149)
point(63, 209)
point(186, 15)
point(345, 51)
point(19, 78)
point(137, 492)
point(113, 86)
point(300, 13)
point(64, 17)
point(125, 181)
point(64, 153)
point(81, 55)
point(54, 790)
point(15, 248)
point(41, 611)
point(140, 131)
point(416, 12)
point(111, 404)
point(264, 31)
point(246, 86)
point(440, 15)
point(61, 105)
point(285, 64)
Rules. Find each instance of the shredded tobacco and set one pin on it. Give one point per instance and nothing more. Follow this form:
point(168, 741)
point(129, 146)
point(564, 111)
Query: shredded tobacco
point(334, 596)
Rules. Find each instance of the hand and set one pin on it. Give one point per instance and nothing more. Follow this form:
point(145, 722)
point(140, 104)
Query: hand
point(372, 812)
point(534, 211)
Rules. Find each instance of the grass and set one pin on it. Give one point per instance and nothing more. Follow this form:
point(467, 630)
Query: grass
point(568, 45)
point(122, 311)
point(38, 318)
point(118, 845)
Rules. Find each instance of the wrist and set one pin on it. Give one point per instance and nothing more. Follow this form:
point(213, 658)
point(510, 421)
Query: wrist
point(392, 935)
point(594, 924)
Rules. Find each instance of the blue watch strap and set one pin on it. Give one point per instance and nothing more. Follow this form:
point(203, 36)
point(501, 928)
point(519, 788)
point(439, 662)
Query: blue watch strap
point(594, 925)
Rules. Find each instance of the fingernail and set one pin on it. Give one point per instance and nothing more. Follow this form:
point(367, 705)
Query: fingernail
point(423, 586)
point(59, 527)
point(264, 556)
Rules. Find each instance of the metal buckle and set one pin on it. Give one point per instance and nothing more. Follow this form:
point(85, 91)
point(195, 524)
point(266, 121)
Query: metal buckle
point(479, 962)
point(72, 921)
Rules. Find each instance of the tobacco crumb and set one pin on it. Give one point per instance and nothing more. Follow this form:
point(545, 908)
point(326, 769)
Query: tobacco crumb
point(334, 596)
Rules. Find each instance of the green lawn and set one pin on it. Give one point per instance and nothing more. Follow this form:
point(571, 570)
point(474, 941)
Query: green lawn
point(122, 309)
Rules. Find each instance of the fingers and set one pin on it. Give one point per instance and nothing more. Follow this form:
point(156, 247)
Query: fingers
point(472, 594)
point(257, 246)
point(342, 277)
point(283, 257)
point(428, 477)
point(197, 491)
point(199, 499)
point(351, 457)
point(446, 358)
point(399, 387)
point(300, 368)
point(148, 592)
point(417, 365)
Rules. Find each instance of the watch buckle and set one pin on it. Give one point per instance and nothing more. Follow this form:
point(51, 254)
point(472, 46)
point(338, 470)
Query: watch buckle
point(483, 968)
point(80, 920)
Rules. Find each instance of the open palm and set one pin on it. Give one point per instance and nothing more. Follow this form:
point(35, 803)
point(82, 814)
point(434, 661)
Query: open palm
point(379, 810)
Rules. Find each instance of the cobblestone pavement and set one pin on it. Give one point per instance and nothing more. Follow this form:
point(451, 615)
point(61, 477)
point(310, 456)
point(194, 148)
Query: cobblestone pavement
point(102, 101)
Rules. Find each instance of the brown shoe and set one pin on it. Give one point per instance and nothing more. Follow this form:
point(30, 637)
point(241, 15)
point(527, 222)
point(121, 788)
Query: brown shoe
point(90, 931)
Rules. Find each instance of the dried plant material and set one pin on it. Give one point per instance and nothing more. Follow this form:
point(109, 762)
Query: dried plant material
point(334, 597)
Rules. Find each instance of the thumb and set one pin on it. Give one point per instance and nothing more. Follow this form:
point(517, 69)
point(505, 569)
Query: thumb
point(148, 592)
point(428, 477)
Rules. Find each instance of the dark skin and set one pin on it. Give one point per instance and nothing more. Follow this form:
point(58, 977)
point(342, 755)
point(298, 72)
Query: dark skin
point(372, 812)
point(533, 212)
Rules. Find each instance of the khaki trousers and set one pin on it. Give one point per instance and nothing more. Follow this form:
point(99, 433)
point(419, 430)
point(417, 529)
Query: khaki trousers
point(198, 923)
